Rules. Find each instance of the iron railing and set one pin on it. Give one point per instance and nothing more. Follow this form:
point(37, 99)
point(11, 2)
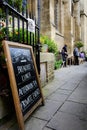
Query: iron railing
point(18, 29)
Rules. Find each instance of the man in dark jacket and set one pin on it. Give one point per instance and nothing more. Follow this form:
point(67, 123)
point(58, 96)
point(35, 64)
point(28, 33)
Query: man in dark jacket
point(64, 54)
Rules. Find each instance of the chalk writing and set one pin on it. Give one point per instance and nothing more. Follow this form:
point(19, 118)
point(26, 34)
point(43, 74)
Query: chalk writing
point(23, 68)
point(27, 88)
point(26, 76)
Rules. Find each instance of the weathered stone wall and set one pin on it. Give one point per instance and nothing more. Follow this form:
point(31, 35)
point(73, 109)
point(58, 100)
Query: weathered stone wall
point(45, 18)
point(47, 67)
point(77, 21)
point(59, 38)
point(71, 27)
point(83, 15)
point(67, 25)
point(47, 21)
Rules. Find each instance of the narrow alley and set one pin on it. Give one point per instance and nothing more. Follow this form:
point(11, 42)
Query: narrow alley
point(65, 102)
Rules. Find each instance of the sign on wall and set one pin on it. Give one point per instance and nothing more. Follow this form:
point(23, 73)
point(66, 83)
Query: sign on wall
point(24, 79)
point(31, 25)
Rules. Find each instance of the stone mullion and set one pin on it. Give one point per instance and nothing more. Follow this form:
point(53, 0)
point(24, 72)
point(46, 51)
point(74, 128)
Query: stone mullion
point(77, 21)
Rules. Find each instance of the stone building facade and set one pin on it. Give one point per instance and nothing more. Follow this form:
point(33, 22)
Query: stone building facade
point(64, 21)
point(83, 18)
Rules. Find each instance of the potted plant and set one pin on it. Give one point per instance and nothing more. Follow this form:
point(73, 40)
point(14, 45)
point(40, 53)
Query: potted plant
point(49, 44)
point(79, 44)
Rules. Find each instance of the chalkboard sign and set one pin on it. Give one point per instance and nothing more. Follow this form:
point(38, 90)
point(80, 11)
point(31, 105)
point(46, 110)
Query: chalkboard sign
point(24, 79)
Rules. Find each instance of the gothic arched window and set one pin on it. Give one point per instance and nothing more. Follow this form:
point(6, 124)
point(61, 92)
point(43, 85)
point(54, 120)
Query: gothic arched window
point(72, 7)
point(56, 13)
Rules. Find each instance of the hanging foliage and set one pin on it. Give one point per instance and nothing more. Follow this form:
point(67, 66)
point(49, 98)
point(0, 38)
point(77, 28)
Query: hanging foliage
point(16, 3)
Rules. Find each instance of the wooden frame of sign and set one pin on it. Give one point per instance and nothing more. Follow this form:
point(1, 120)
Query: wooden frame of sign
point(24, 79)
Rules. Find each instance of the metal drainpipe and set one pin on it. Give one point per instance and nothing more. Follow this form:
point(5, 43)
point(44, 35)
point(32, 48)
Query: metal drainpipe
point(38, 44)
point(39, 9)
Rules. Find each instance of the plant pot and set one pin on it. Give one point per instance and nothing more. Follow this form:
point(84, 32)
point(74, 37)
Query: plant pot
point(44, 48)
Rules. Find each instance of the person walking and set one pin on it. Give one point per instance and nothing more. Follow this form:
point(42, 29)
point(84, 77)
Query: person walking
point(76, 56)
point(64, 55)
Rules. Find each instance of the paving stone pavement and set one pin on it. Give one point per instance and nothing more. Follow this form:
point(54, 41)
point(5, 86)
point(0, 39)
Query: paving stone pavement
point(65, 102)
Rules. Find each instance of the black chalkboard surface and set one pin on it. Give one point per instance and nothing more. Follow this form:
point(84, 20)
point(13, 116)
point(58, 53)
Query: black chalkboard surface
point(24, 79)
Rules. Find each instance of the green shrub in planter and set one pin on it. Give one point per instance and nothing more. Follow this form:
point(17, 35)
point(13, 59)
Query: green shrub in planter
point(52, 47)
point(58, 64)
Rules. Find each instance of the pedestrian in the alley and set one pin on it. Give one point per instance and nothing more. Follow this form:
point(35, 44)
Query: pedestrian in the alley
point(76, 55)
point(64, 55)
